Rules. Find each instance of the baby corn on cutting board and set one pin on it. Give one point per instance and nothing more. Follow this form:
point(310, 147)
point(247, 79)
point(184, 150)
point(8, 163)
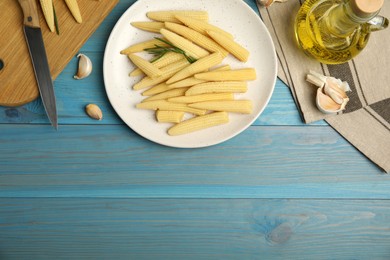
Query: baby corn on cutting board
point(17, 81)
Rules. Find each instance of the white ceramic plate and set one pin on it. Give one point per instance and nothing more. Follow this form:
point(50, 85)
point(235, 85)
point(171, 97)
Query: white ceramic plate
point(236, 17)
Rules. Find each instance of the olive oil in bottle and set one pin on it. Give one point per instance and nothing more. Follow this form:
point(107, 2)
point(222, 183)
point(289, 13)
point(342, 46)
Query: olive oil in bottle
point(334, 31)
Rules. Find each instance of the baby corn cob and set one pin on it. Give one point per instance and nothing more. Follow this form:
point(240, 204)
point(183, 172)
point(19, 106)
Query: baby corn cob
point(188, 82)
point(240, 74)
point(166, 116)
point(218, 87)
point(165, 105)
point(191, 81)
point(167, 72)
point(142, 45)
point(48, 12)
point(230, 45)
point(198, 123)
point(169, 16)
point(176, 92)
point(196, 37)
point(162, 87)
point(148, 68)
point(165, 60)
point(188, 47)
point(198, 66)
point(202, 26)
point(149, 26)
point(74, 9)
point(237, 106)
point(202, 97)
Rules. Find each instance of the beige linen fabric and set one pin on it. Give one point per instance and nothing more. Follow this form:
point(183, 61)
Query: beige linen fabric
point(365, 122)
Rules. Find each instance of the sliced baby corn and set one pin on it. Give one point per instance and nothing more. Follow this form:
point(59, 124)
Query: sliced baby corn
point(188, 47)
point(199, 123)
point(162, 87)
point(74, 9)
point(191, 81)
point(165, 105)
point(196, 37)
point(169, 16)
point(240, 74)
point(142, 45)
point(218, 87)
point(149, 26)
point(196, 67)
point(202, 97)
point(230, 45)
point(176, 92)
point(201, 26)
point(167, 72)
point(48, 12)
point(148, 68)
point(166, 116)
point(236, 106)
point(165, 60)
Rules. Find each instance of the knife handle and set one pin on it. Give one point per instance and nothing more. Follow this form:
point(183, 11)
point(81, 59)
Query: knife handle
point(30, 13)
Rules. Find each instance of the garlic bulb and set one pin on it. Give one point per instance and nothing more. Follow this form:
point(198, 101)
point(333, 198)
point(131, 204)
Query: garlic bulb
point(85, 67)
point(331, 94)
point(267, 3)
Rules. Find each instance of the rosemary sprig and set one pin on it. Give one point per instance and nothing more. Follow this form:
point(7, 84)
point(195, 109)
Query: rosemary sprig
point(158, 51)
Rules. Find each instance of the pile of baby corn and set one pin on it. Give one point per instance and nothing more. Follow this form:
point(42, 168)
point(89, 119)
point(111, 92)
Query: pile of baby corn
point(201, 86)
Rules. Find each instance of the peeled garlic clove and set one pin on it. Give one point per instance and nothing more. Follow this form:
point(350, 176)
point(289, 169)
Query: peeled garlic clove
point(94, 111)
point(333, 94)
point(338, 86)
point(85, 67)
point(326, 104)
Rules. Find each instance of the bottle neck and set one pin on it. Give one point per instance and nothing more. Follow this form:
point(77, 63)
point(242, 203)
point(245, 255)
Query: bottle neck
point(342, 21)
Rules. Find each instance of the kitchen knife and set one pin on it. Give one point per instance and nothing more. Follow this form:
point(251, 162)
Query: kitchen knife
point(33, 34)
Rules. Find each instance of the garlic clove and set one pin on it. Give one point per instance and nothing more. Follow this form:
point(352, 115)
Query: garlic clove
point(84, 68)
point(94, 111)
point(338, 86)
point(326, 104)
point(333, 94)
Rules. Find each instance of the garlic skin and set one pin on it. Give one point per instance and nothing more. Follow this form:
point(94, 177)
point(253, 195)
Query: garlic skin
point(331, 94)
point(267, 3)
point(84, 68)
point(94, 111)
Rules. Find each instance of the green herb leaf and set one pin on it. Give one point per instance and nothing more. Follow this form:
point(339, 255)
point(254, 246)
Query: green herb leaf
point(160, 51)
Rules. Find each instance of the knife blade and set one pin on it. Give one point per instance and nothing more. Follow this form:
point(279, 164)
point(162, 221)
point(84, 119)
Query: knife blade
point(36, 47)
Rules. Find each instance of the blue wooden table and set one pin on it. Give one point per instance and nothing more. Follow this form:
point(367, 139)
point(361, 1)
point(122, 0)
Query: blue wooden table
point(95, 189)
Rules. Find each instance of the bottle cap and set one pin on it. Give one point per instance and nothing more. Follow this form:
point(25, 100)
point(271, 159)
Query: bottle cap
point(365, 8)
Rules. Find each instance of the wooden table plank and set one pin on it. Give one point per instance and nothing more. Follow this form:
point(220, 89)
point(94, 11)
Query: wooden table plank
point(193, 229)
point(113, 161)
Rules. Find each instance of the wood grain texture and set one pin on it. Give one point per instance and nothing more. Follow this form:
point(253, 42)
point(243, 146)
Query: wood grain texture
point(194, 229)
point(97, 190)
point(113, 161)
point(18, 85)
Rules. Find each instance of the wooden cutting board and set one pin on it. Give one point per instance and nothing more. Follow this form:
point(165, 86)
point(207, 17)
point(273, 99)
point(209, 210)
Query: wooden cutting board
point(17, 81)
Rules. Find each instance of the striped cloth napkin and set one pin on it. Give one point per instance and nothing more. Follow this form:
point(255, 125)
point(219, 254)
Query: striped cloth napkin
point(365, 122)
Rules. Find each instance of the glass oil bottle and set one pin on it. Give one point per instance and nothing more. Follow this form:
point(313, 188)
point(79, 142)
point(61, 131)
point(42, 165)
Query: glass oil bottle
point(335, 31)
